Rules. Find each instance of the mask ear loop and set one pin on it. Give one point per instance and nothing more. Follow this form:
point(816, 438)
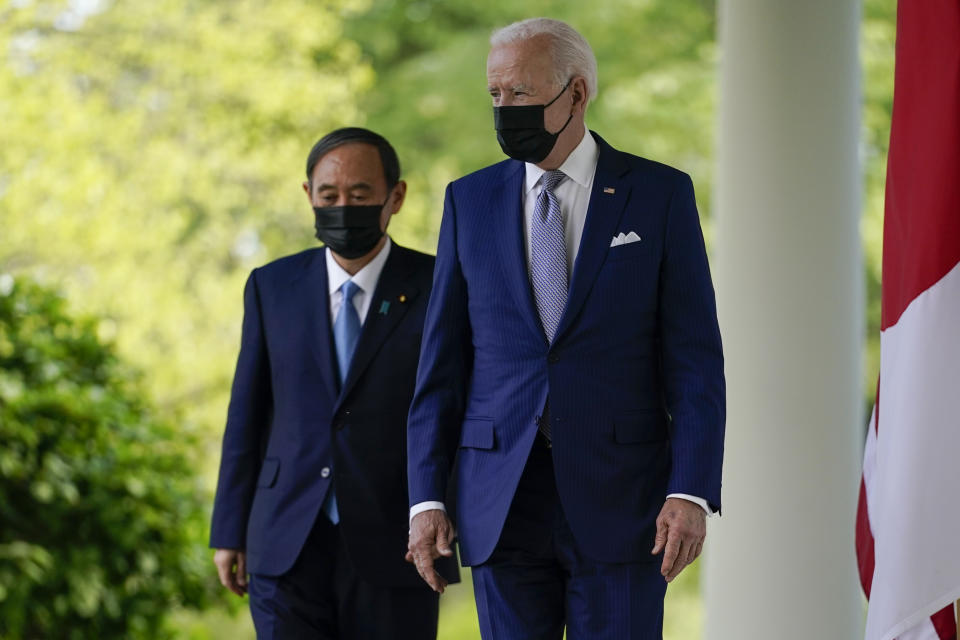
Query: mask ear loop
point(554, 100)
point(563, 127)
point(559, 94)
point(389, 194)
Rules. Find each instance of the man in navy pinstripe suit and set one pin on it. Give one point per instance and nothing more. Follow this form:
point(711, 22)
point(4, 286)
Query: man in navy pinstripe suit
point(571, 363)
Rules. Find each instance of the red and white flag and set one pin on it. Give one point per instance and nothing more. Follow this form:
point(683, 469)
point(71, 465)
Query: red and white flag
point(908, 519)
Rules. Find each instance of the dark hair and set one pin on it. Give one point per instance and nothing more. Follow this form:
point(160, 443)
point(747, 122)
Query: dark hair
point(350, 135)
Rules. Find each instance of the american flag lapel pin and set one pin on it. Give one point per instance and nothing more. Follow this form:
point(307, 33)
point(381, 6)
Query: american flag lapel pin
point(609, 190)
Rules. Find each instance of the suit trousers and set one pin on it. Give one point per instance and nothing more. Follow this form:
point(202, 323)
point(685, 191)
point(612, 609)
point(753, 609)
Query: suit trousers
point(537, 581)
point(323, 598)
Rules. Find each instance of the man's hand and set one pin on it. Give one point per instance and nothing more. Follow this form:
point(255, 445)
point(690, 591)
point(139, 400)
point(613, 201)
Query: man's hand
point(232, 568)
point(681, 529)
point(431, 536)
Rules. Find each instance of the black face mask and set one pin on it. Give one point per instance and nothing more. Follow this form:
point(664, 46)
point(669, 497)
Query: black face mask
point(350, 231)
point(521, 131)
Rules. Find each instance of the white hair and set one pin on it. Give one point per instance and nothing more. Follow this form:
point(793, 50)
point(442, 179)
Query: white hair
point(571, 53)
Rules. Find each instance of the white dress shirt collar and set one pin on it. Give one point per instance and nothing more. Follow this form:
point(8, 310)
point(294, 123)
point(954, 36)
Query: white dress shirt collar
point(366, 278)
point(579, 166)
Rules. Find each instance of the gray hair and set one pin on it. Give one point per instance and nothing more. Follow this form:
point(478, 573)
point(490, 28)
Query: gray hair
point(571, 53)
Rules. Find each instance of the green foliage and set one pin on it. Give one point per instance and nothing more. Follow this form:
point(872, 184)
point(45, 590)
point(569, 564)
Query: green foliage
point(878, 33)
point(100, 506)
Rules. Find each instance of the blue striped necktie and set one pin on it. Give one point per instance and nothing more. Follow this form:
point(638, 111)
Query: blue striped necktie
point(548, 255)
point(346, 331)
point(548, 266)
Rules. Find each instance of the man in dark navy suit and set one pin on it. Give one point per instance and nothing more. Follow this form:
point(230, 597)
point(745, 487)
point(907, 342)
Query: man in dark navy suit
point(571, 363)
point(312, 499)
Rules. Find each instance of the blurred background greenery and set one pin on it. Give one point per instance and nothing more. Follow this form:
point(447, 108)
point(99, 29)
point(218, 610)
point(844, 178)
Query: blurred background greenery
point(151, 154)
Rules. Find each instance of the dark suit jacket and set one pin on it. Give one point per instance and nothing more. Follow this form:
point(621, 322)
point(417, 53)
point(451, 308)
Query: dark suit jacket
point(634, 375)
point(292, 432)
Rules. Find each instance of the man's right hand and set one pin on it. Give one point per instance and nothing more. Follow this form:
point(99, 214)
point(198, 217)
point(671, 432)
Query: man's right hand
point(431, 536)
point(232, 568)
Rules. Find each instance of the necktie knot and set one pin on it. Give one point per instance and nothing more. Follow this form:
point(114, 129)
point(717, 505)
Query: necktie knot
point(551, 179)
point(349, 289)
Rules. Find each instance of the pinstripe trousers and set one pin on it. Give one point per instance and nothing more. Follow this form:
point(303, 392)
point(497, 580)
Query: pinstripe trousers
point(537, 582)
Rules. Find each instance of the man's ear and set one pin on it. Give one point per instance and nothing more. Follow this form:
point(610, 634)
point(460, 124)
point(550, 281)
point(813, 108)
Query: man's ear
point(306, 190)
point(397, 196)
point(579, 94)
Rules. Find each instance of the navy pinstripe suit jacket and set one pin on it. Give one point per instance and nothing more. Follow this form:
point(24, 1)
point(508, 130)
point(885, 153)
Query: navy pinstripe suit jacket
point(634, 375)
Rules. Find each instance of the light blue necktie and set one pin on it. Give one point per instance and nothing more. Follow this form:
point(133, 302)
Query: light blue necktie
point(346, 328)
point(346, 331)
point(548, 264)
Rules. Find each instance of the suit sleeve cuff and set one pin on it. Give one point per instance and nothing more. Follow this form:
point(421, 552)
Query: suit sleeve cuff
point(420, 507)
point(683, 496)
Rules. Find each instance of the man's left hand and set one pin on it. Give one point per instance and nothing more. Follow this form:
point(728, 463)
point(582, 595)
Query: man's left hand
point(681, 529)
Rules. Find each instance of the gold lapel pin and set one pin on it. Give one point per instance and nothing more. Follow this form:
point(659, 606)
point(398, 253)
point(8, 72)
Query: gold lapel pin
point(609, 190)
point(402, 298)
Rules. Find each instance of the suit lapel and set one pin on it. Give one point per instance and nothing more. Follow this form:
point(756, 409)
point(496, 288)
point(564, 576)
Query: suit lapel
point(603, 217)
point(314, 299)
point(506, 204)
point(389, 303)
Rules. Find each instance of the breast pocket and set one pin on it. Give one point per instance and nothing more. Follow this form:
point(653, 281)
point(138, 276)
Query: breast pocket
point(627, 251)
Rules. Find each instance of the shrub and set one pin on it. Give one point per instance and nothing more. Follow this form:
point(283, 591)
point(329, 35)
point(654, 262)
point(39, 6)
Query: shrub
point(101, 515)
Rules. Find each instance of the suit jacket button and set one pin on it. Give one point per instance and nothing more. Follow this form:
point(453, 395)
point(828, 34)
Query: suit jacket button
point(553, 358)
point(325, 472)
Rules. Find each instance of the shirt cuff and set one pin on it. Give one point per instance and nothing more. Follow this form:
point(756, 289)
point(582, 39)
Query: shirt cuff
point(420, 507)
point(683, 496)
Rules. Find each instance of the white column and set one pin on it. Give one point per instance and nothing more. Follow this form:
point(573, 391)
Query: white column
point(780, 561)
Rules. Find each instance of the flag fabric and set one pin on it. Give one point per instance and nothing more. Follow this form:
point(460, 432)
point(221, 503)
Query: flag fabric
point(908, 518)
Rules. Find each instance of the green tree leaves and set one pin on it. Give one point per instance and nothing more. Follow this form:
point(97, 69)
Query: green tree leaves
point(152, 155)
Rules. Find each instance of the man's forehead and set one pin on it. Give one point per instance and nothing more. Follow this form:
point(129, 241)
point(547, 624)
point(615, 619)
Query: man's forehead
point(354, 162)
point(525, 61)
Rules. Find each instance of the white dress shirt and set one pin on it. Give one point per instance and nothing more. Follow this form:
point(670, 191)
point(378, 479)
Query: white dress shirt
point(366, 279)
point(574, 197)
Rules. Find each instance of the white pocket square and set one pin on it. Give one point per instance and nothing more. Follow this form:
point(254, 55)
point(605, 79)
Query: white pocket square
point(624, 238)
